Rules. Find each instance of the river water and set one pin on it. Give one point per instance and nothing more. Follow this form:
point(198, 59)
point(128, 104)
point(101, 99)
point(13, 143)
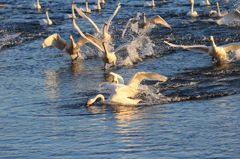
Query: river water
point(195, 114)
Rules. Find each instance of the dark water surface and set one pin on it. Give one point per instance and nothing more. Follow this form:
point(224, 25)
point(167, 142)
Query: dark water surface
point(43, 92)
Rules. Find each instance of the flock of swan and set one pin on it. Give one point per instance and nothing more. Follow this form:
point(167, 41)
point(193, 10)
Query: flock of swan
point(121, 93)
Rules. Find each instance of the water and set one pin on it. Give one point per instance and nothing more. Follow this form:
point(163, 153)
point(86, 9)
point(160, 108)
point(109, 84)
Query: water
point(43, 93)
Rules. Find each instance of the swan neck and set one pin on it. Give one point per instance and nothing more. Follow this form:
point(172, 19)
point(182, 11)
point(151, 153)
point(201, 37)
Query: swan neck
point(153, 4)
point(37, 2)
point(144, 18)
point(192, 9)
point(47, 16)
point(98, 96)
point(218, 8)
point(98, 4)
point(213, 44)
point(73, 13)
point(105, 49)
point(73, 43)
point(104, 30)
point(86, 5)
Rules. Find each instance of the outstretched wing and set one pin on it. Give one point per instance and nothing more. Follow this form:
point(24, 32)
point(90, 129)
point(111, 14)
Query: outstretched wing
point(231, 47)
point(54, 40)
point(159, 20)
point(229, 17)
point(138, 77)
point(198, 48)
point(83, 40)
point(10, 36)
point(83, 36)
point(125, 28)
point(115, 12)
point(80, 12)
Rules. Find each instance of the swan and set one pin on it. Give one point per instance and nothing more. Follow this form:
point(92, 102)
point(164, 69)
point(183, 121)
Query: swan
point(71, 16)
point(144, 24)
point(123, 94)
point(149, 4)
point(10, 36)
point(205, 3)
point(217, 52)
point(218, 13)
point(86, 9)
point(36, 5)
point(73, 49)
point(192, 13)
point(96, 7)
point(106, 36)
point(229, 17)
point(47, 21)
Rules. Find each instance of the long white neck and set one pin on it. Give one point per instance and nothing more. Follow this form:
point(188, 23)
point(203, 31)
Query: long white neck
point(219, 12)
point(213, 44)
point(86, 6)
point(73, 13)
point(98, 5)
point(192, 9)
point(153, 4)
point(105, 50)
point(73, 43)
point(105, 31)
point(144, 19)
point(48, 19)
point(98, 96)
point(37, 3)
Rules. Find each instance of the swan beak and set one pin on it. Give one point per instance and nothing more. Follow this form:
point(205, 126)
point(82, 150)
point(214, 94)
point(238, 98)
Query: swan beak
point(87, 104)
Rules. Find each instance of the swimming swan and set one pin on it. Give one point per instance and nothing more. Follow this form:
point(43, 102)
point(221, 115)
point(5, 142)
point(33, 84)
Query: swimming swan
point(121, 93)
point(229, 17)
point(96, 7)
point(149, 4)
point(71, 16)
point(144, 24)
point(86, 9)
point(205, 3)
point(218, 13)
point(217, 52)
point(36, 5)
point(47, 21)
point(192, 13)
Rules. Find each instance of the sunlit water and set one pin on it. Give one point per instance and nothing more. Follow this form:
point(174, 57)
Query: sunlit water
point(195, 114)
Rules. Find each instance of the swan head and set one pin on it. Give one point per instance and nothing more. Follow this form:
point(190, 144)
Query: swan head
point(216, 3)
point(73, 3)
point(70, 37)
point(89, 102)
point(47, 10)
point(191, 1)
point(211, 38)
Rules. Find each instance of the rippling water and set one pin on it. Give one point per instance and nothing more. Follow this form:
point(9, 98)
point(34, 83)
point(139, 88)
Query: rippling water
point(43, 93)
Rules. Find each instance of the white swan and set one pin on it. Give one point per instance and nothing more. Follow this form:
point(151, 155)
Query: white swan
point(47, 21)
point(71, 16)
point(10, 36)
point(86, 9)
point(229, 17)
point(106, 36)
point(192, 13)
point(217, 52)
point(205, 3)
point(96, 7)
point(218, 13)
point(123, 94)
point(144, 24)
point(36, 5)
point(149, 4)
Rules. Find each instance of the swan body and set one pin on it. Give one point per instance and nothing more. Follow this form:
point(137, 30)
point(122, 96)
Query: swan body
point(229, 17)
point(149, 4)
point(217, 52)
point(36, 5)
point(71, 16)
point(47, 21)
point(205, 3)
point(192, 13)
point(123, 94)
point(144, 24)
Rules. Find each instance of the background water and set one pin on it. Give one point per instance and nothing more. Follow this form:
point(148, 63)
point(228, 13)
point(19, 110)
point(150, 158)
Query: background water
point(43, 92)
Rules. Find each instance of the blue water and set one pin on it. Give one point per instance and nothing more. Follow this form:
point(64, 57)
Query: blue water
point(43, 92)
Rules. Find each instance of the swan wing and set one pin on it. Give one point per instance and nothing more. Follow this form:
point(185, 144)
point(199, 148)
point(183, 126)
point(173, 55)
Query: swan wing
point(54, 40)
point(119, 78)
point(83, 36)
point(138, 77)
point(231, 47)
point(159, 20)
point(83, 40)
point(83, 15)
point(198, 48)
point(11, 36)
point(115, 12)
point(121, 90)
point(127, 43)
point(125, 28)
point(229, 17)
